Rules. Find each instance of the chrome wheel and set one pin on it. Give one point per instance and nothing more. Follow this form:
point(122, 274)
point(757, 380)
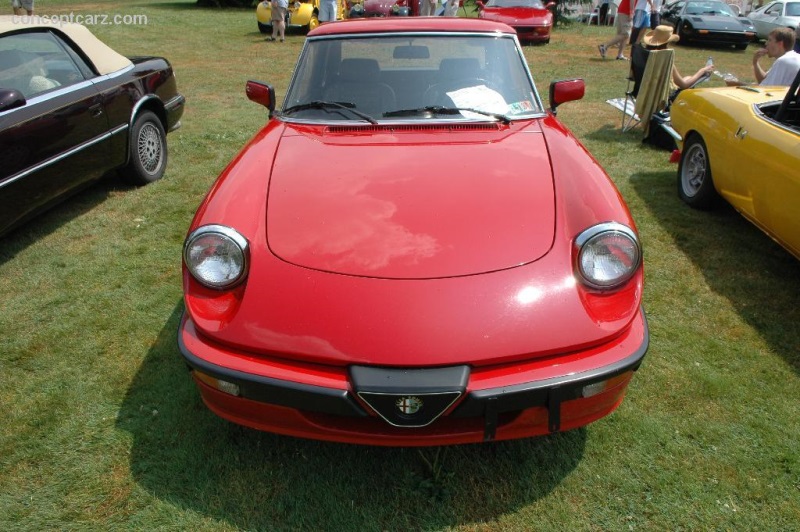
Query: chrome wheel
point(147, 149)
point(695, 185)
point(150, 148)
point(693, 173)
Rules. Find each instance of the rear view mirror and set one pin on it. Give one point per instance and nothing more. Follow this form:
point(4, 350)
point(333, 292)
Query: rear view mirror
point(261, 93)
point(11, 99)
point(411, 52)
point(565, 90)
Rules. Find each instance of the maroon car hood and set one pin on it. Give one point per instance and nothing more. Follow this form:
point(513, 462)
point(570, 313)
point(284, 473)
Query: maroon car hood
point(401, 205)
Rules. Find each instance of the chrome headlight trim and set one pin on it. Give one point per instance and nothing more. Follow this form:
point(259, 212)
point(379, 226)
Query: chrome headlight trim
point(228, 236)
point(595, 235)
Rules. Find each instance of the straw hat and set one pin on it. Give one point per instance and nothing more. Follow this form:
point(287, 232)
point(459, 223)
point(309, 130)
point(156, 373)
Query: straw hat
point(660, 36)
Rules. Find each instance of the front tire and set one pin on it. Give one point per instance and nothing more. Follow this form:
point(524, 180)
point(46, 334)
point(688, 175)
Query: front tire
point(695, 184)
point(313, 23)
point(265, 28)
point(147, 150)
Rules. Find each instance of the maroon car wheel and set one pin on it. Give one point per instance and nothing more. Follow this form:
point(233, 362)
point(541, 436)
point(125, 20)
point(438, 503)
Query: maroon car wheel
point(148, 150)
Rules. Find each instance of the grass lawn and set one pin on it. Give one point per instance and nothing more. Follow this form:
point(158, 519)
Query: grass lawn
point(102, 428)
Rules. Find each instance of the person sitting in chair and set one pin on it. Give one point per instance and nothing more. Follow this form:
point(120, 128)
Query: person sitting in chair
point(658, 39)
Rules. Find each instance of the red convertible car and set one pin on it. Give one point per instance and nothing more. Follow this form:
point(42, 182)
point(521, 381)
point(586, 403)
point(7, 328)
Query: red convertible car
point(532, 19)
point(410, 253)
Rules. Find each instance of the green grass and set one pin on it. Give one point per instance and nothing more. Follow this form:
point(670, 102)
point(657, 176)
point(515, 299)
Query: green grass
point(101, 427)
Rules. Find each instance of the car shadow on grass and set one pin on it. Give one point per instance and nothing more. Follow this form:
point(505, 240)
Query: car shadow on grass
point(737, 260)
point(66, 209)
point(184, 455)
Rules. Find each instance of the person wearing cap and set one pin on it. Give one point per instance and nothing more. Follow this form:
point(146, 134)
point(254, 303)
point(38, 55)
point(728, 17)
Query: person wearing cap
point(658, 39)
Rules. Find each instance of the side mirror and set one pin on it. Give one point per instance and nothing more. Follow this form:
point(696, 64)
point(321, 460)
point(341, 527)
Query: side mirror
point(261, 93)
point(11, 99)
point(565, 90)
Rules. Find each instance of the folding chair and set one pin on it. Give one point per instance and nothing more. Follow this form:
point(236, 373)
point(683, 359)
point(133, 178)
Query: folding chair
point(648, 86)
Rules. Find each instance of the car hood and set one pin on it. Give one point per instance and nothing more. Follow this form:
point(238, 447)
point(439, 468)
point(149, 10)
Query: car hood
point(511, 15)
point(720, 23)
point(411, 204)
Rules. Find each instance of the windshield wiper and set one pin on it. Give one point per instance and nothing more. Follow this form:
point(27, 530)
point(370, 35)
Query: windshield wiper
point(440, 110)
point(319, 104)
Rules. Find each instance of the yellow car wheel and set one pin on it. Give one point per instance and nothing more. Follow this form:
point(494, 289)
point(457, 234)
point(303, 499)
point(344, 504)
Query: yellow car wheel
point(313, 23)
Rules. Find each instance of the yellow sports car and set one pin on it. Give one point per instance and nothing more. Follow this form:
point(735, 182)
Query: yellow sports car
point(301, 15)
point(743, 144)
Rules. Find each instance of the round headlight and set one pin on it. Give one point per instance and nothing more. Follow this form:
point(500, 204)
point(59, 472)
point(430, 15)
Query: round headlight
point(608, 255)
point(217, 256)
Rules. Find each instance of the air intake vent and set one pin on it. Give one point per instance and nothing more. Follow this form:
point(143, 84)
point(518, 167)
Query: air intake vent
point(400, 128)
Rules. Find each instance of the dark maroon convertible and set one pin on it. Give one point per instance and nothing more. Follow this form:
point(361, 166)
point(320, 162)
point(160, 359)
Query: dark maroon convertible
point(72, 109)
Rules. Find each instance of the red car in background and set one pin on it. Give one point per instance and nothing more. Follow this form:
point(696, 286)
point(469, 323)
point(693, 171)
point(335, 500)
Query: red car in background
point(532, 19)
point(413, 250)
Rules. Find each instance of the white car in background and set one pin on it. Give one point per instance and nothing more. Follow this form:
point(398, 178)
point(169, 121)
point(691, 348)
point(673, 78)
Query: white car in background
point(775, 15)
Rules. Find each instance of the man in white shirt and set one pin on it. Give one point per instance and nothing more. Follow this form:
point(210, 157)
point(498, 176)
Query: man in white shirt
point(780, 45)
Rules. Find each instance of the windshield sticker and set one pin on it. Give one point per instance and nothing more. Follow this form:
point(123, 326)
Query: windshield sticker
point(518, 108)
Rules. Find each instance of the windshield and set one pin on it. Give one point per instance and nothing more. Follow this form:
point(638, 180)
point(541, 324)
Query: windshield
point(411, 77)
point(515, 3)
point(709, 8)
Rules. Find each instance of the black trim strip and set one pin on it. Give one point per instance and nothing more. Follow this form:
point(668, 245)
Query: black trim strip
point(537, 393)
point(279, 392)
point(488, 404)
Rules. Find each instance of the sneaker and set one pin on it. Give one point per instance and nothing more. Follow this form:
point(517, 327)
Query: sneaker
point(621, 58)
point(602, 49)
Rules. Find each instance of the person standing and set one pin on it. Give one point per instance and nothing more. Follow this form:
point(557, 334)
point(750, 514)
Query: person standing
point(451, 8)
point(279, 10)
point(641, 18)
point(22, 7)
point(655, 14)
point(622, 25)
point(428, 8)
point(328, 10)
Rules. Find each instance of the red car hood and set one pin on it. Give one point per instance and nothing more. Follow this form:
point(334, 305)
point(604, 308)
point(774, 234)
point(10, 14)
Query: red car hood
point(356, 205)
point(514, 15)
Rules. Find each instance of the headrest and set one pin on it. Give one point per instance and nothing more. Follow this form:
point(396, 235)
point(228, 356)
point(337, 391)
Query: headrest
point(360, 69)
point(462, 67)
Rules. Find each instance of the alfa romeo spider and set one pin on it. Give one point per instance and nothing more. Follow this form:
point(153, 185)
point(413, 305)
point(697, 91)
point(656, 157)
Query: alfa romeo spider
point(413, 250)
point(741, 144)
point(73, 109)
